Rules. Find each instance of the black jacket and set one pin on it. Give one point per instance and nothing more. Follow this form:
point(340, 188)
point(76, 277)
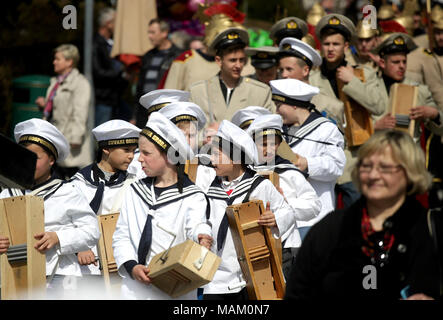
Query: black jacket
point(140, 112)
point(330, 262)
point(108, 82)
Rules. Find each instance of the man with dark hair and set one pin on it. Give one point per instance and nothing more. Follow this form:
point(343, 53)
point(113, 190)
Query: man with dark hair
point(227, 92)
point(110, 78)
point(393, 63)
point(154, 64)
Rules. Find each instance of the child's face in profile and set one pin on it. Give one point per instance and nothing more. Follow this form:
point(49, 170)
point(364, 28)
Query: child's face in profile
point(120, 157)
point(152, 160)
point(267, 148)
point(43, 165)
point(223, 165)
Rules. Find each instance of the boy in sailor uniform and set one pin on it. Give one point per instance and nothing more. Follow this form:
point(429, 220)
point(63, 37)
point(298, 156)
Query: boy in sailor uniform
point(165, 202)
point(152, 102)
point(104, 182)
point(267, 132)
point(233, 149)
point(315, 139)
point(190, 119)
point(70, 224)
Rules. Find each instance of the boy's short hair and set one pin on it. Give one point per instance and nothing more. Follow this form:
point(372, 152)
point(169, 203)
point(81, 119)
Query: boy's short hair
point(326, 32)
point(225, 51)
point(164, 26)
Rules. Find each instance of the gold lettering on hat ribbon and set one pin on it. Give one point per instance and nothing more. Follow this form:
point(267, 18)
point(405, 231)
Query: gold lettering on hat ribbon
point(41, 141)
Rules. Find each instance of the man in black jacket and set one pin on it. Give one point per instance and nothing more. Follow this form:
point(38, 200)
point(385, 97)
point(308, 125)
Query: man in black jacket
point(154, 65)
point(110, 78)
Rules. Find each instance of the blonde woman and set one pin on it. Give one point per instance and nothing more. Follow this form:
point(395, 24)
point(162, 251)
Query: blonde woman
point(380, 247)
point(66, 106)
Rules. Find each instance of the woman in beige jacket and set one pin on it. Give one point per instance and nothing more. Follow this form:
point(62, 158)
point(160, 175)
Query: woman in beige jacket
point(66, 106)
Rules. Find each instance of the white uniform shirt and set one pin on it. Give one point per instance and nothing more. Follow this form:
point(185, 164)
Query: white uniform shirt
point(299, 194)
point(325, 161)
point(68, 214)
point(204, 178)
point(183, 214)
point(111, 202)
point(229, 277)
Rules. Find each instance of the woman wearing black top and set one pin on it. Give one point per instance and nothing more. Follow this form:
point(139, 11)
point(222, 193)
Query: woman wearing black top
point(380, 247)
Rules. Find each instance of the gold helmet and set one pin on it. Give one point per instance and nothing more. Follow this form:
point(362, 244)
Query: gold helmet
point(437, 17)
point(385, 12)
point(309, 39)
point(407, 22)
point(315, 14)
point(365, 32)
point(217, 24)
point(217, 18)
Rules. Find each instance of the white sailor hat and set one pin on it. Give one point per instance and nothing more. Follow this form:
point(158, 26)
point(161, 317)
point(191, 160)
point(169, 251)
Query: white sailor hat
point(116, 133)
point(239, 139)
point(293, 92)
point(299, 49)
point(157, 99)
point(244, 117)
point(46, 135)
point(168, 137)
point(182, 111)
point(267, 124)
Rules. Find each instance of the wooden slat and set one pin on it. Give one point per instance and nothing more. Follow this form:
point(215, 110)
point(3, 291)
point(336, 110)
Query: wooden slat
point(403, 98)
point(20, 219)
point(107, 224)
point(359, 125)
point(257, 252)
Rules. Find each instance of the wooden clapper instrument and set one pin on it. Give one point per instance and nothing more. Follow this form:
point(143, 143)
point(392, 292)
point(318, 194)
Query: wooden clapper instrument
point(256, 251)
point(23, 268)
point(359, 126)
point(107, 224)
point(403, 98)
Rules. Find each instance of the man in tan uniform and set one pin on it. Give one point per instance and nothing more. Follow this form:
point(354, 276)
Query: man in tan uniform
point(225, 93)
point(426, 66)
point(296, 60)
point(367, 40)
point(393, 60)
point(335, 33)
point(195, 65)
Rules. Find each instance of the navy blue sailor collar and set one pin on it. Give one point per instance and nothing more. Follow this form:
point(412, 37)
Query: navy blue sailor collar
point(216, 189)
point(143, 187)
point(94, 175)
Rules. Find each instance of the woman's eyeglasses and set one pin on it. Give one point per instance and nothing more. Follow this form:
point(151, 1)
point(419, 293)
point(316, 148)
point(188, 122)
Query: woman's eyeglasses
point(382, 169)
